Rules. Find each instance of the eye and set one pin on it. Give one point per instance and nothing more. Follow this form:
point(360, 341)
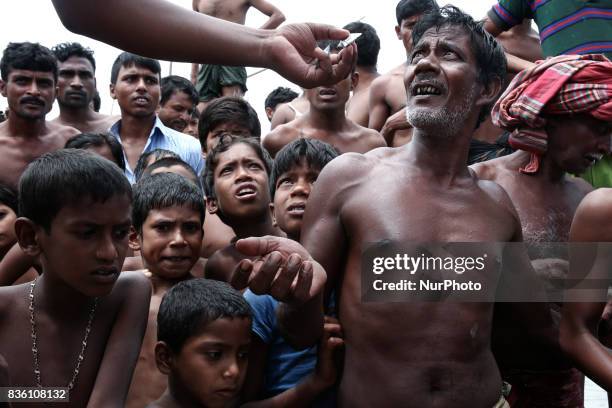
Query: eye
point(225, 170)
point(191, 227)
point(243, 355)
point(255, 166)
point(285, 182)
point(151, 81)
point(121, 233)
point(416, 56)
point(213, 355)
point(86, 233)
point(164, 227)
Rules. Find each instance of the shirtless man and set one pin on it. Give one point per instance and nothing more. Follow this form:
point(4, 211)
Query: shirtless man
point(289, 111)
point(417, 354)
point(546, 200)
point(387, 96)
point(214, 81)
point(368, 46)
point(29, 76)
point(76, 88)
point(326, 120)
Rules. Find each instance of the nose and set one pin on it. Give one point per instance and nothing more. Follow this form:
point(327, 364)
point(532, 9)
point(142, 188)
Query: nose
point(243, 173)
point(76, 82)
point(141, 85)
point(186, 116)
point(33, 89)
point(232, 370)
point(107, 251)
point(301, 188)
point(178, 239)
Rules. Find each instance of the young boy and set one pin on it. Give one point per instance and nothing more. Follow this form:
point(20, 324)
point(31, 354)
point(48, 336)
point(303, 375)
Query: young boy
point(167, 230)
point(172, 165)
point(8, 215)
point(236, 187)
point(80, 324)
point(148, 158)
point(203, 338)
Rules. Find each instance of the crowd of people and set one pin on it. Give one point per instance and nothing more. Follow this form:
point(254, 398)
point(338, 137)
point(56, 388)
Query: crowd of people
point(173, 256)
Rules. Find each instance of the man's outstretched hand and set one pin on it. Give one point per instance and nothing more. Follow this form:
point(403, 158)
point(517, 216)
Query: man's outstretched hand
point(294, 54)
point(282, 268)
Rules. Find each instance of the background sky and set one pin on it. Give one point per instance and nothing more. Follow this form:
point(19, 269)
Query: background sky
point(36, 21)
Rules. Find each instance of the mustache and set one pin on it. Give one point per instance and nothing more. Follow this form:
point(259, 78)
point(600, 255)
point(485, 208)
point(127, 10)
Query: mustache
point(32, 99)
point(80, 93)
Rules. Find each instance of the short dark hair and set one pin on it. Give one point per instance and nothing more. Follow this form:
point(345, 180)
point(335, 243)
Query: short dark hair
point(127, 59)
point(66, 50)
point(168, 162)
point(65, 177)
point(368, 44)
point(174, 83)
point(87, 140)
point(28, 56)
point(190, 305)
point(225, 142)
point(280, 95)
point(144, 158)
point(164, 190)
point(8, 197)
point(315, 152)
point(489, 54)
point(408, 8)
point(228, 109)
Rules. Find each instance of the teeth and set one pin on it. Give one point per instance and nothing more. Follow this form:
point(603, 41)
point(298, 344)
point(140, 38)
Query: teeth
point(426, 90)
point(246, 191)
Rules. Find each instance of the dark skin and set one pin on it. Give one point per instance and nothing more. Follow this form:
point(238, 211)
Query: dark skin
point(461, 371)
point(284, 114)
point(26, 135)
point(357, 108)
point(63, 298)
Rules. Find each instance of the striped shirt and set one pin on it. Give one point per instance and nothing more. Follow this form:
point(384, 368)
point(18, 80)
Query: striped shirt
point(566, 26)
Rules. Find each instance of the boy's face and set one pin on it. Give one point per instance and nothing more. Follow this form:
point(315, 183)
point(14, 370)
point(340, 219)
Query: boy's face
point(241, 183)
point(176, 112)
point(210, 369)
point(214, 134)
point(7, 226)
point(87, 244)
point(292, 192)
point(137, 91)
point(332, 97)
point(404, 31)
point(170, 241)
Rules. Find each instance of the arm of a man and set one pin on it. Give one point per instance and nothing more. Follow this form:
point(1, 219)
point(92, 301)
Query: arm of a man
point(379, 110)
point(267, 8)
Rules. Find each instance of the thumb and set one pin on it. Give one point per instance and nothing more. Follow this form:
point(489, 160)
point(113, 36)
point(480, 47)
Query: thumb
point(328, 32)
point(256, 246)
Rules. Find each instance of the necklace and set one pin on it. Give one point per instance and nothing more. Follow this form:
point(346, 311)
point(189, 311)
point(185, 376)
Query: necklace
point(81, 357)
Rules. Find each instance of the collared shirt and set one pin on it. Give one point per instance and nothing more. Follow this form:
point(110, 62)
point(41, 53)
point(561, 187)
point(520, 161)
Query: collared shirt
point(163, 137)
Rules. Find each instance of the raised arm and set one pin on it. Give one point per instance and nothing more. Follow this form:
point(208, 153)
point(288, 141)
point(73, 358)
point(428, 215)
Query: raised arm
point(267, 8)
point(379, 110)
point(181, 34)
point(514, 63)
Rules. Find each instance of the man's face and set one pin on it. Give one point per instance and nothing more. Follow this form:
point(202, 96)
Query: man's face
point(176, 112)
point(214, 134)
point(241, 183)
point(441, 80)
point(292, 192)
point(7, 226)
point(210, 368)
point(404, 31)
point(170, 241)
point(29, 94)
point(137, 91)
point(331, 98)
point(95, 235)
point(575, 143)
point(76, 83)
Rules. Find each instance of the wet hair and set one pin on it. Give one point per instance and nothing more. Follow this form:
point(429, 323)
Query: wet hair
point(127, 59)
point(315, 152)
point(368, 44)
point(28, 56)
point(164, 190)
point(489, 54)
point(189, 306)
point(408, 8)
point(174, 83)
point(66, 177)
point(280, 95)
point(8, 197)
point(228, 109)
point(169, 162)
point(157, 154)
point(87, 140)
point(97, 101)
point(225, 143)
point(66, 50)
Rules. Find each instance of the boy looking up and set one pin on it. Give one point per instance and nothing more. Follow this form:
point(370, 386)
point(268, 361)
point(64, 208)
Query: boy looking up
point(80, 324)
point(167, 218)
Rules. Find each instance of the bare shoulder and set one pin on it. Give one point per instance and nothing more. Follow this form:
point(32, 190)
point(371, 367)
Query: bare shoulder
point(61, 132)
point(349, 168)
point(11, 297)
point(580, 184)
point(593, 218)
point(133, 285)
point(279, 137)
point(487, 170)
point(498, 194)
point(372, 138)
point(379, 85)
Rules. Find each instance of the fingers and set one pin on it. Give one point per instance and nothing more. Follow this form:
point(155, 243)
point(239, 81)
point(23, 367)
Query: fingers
point(347, 58)
point(242, 273)
point(301, 291)
point(281, 289)
point(255, 246)
point(261, 280)
point(328, 32)
point(324, 61)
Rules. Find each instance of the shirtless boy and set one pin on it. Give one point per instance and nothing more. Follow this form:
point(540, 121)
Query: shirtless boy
point(326, 120)
point(417, 354)
point(167, 218)
point(289, 111)
point(387, 96)
point(214, 81)
point(278, 96)
point(80, 324)
point(29, 77)
point(76, 88)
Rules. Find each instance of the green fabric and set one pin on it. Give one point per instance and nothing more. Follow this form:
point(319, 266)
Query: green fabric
point(600, 174)
point(212, 78)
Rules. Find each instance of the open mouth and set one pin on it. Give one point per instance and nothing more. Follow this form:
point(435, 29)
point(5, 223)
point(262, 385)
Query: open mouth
point(106, 272)
point(327, 92)
point(246, 192)
point(296, 209)
point(141, 100)
point(176, 259)
point(593, 157)
point(426, 90)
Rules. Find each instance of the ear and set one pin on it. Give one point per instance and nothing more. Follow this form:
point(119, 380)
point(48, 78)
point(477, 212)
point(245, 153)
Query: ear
point(397, 32)
point(490, 92)
point(27, 236)
point(163, 358)
point(354, 80)
point(111, 87)
point(269, 113)
point(134, 239)
point(274, 223)
point(2, 88)
point(211, 205)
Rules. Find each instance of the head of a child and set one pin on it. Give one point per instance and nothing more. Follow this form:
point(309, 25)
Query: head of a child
point(236, 180)
point(172, 165)
point(167, 217)
point(75, 216)
point(296, 168)
point(228, 114)
point(8, 215)
point(203, 339)
point(103, 144)
point(148, 158)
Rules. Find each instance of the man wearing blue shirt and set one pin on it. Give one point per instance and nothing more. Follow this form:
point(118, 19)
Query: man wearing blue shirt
point(135, 84)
